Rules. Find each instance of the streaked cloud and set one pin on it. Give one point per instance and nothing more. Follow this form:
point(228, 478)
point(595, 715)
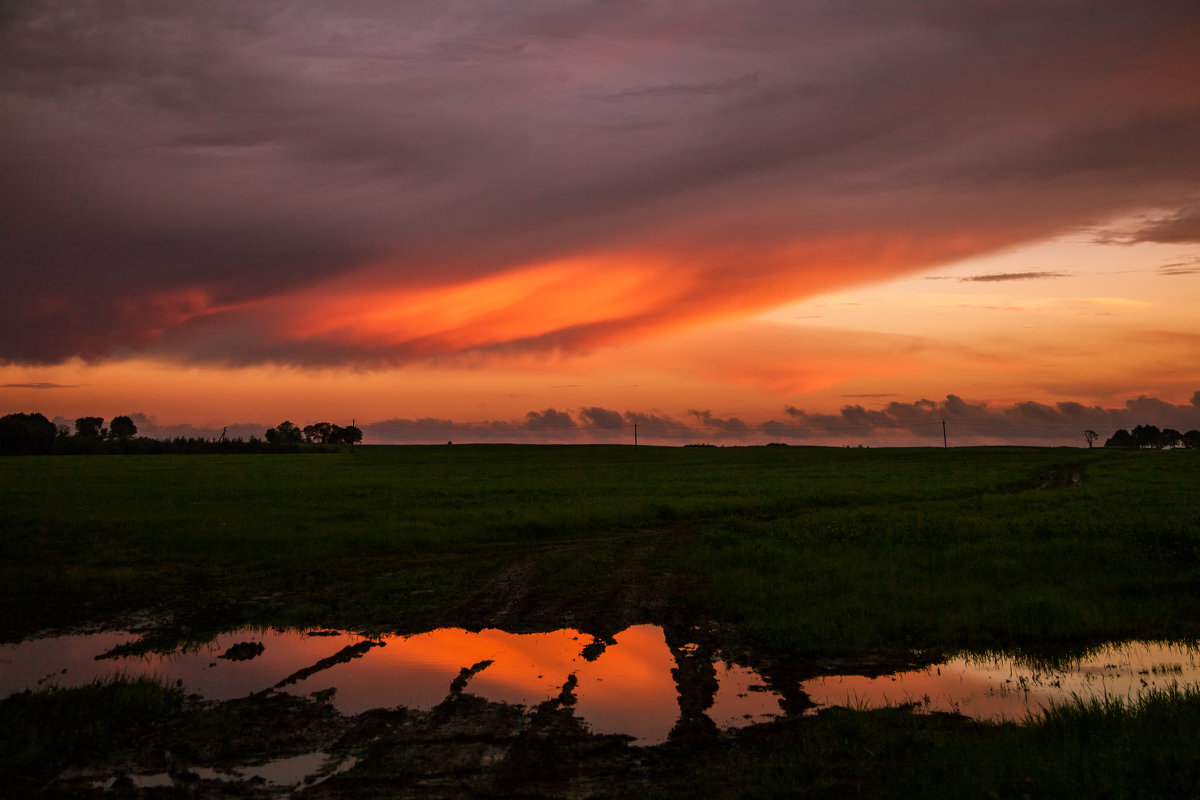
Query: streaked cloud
point(39, 385)
point(1183, 227)
point(1190, 266)
point(1012, 276)
point(373, 185)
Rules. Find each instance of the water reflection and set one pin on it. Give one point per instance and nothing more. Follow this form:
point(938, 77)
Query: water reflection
point(637, 684)
point(625, 686)
point(999, 688)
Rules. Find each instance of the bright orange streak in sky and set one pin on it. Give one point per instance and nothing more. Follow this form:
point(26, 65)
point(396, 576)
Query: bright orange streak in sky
point(593, 300)
point(519, 304)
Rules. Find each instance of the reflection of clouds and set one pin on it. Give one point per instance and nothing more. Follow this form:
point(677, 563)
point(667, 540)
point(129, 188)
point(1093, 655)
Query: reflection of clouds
point(1003, 688)
point(628, 689)
point(741, 698)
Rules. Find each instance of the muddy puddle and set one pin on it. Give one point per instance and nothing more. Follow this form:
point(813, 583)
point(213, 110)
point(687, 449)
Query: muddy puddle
point(623, 686)
point(999, 688)
point(633, 684)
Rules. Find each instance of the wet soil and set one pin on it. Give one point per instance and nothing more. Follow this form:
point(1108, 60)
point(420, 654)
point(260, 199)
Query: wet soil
point(465, 746)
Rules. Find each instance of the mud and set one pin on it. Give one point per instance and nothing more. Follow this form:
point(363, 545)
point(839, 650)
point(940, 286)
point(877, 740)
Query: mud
point(278, 745)
point(288, 738)
point(465, 745)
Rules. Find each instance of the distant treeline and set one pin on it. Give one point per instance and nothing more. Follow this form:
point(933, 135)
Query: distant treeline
point(1146, 436)
point(33, 434)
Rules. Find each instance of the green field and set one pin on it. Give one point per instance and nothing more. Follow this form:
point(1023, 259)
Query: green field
point(791, 555)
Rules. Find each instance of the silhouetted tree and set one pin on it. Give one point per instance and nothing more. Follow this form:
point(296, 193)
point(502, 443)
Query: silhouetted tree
point(351, 435)
point(285, 432)
point(90, 428)
point(339, 435)
point(1147, 436)
point(1121, 438)
point(1192, 439)
point(26, 433)
point(1091, 436)
point(122, 428)
point(318, 432)
point(1170, 438)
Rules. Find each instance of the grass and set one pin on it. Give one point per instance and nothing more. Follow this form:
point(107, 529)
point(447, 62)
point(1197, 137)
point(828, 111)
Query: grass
point(799, 552)
point(44, 732)
point(807, 551)
point(1094, 749)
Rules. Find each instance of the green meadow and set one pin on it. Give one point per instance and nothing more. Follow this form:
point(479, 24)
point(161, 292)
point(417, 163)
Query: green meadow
point(793, 554)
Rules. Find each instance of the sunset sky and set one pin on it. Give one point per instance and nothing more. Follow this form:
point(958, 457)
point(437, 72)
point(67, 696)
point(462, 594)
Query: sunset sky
point(731, 222)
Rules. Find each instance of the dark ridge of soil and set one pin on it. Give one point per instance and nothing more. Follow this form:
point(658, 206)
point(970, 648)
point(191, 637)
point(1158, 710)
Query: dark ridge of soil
point(629, 594)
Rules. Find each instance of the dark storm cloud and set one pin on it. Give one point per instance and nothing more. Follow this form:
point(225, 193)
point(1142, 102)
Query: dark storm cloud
point(172, 173)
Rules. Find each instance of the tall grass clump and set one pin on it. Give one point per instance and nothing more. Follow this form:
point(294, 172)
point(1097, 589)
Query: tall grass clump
point(41, 732)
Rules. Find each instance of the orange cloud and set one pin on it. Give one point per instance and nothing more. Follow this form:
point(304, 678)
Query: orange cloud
point(519, 304)
point(374, 317)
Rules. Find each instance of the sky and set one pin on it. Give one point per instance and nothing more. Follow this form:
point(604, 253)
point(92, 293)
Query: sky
point(725, 222)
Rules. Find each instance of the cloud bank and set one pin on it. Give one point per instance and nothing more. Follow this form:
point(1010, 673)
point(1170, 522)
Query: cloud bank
point(892, 424)
point(372, 184)
point(896, 424)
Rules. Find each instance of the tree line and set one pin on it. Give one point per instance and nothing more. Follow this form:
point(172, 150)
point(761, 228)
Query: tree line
point(318, 433)
point(1149, 436)
point(33, 434)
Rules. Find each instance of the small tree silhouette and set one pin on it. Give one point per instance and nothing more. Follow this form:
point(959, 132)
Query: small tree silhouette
point(90, 428)
point(1091, 436)
point(122, 428)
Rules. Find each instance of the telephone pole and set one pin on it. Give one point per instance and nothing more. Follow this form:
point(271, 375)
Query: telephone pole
point(945, 442)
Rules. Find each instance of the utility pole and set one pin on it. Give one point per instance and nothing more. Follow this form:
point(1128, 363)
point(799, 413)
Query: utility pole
point(945, 442)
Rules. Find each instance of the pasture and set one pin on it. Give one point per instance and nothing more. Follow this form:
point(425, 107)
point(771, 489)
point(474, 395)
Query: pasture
point(793, 560)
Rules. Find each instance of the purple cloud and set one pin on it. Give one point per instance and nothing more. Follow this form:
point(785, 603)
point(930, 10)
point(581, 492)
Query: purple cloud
point(172, 175)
